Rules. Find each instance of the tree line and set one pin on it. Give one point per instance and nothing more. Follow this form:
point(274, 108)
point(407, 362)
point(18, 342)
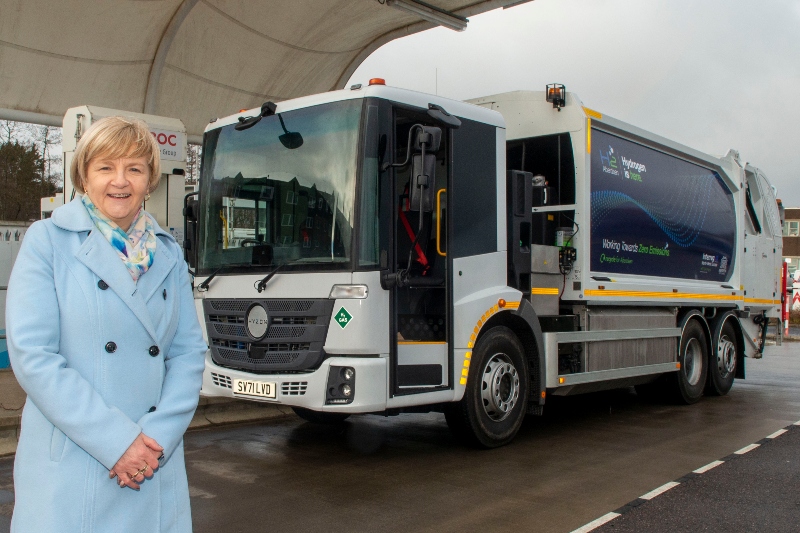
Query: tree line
point(30, 168)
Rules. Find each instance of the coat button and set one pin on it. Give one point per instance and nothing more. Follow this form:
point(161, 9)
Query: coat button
point(102, 284)
point(164, 294)
point(111, 347)
point(154, 351)
point(152, 409)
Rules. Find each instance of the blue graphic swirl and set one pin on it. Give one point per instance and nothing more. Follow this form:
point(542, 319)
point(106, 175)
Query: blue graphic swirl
point(681, 216)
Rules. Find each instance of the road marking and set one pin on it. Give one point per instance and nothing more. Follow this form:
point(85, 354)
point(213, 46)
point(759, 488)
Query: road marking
point(660, 490)
point(746, 449)
point(797, 423)
point(709, 466)
point(596, 523)
point(672, 484)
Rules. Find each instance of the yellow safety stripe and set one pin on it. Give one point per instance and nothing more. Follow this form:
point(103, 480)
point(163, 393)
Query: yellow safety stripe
point(544, 290)
point(762, 301)
point(676, 295)
point(592, 113)
point(474, 335)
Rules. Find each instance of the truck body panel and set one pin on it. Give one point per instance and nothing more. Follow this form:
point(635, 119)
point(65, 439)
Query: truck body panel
point(561, 251)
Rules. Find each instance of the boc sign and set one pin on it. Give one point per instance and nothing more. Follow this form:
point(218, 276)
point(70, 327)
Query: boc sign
point(172, 144)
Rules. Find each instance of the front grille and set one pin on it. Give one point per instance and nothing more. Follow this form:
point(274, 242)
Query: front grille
point(230, 305)
point(236, 345)
point(293, 342)
point(294, 320)
point(229, 329)
point(227, 319)
point(289, 306)
point(294, 388)
point(221, 380)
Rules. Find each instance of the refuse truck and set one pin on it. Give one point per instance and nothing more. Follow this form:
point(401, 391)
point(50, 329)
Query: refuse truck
point(379, 250)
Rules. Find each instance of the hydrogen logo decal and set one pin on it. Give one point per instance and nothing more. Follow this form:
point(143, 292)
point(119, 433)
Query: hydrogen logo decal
point(343, 318)
point(609, 161)
point(632, 170)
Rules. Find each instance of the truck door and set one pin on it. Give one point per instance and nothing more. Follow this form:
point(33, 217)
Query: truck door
point(420, 313)
point(762, 231)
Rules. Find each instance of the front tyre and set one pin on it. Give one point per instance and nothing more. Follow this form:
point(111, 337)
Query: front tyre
point(496, 397)
point(688, 382)
point(722, 363)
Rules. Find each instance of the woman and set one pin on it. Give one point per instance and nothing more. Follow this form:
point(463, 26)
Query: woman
point(104, 338)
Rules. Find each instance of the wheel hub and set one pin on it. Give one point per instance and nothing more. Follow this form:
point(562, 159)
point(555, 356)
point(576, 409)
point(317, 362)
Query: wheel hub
point(693, 361)
point(500, 387)
point(726, 357)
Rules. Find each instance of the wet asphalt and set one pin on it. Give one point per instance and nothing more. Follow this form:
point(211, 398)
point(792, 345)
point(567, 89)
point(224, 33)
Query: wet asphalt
point(589, 455)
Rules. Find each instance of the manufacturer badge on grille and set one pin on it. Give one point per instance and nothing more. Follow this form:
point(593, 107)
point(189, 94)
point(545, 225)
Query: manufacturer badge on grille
point(257, 321)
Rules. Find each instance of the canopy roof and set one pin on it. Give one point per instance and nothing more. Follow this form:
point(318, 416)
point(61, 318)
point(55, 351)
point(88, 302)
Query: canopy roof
point(190, 59)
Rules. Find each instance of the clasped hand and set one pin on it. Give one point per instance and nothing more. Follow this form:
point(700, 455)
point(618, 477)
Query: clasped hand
point(138, 462)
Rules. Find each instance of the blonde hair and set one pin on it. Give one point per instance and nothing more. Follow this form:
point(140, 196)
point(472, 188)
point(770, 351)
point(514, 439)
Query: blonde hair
point(116, 138)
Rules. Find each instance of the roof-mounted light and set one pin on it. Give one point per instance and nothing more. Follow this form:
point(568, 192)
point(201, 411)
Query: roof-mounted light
point(377, 81)
point(557, 94)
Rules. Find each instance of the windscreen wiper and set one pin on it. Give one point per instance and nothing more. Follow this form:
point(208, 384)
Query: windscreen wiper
point(263, 283)
point(204, 286)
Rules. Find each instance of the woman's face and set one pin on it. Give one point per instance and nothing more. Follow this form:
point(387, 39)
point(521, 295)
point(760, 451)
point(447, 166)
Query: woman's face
point(117, 187)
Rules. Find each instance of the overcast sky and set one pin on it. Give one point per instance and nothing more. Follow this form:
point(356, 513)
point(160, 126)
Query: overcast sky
point(711, 74)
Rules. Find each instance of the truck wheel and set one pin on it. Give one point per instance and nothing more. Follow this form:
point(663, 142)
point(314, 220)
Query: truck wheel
point(496, 398)
point(722, 363)
point(316, 417)
point(687, 384)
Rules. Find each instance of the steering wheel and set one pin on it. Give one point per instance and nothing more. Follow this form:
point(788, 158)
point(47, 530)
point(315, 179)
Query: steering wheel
point(250, 241)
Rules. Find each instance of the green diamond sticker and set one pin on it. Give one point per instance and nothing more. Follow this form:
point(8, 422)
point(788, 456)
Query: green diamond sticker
point(343, 318)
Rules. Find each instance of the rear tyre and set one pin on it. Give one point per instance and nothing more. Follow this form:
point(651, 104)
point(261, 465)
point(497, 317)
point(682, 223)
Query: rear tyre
point(687, 384)
point(722, 361)
point(316, 417)
point(496, 398)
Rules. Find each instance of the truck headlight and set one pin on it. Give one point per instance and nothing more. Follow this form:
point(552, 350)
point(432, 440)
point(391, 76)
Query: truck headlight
point(341, 385)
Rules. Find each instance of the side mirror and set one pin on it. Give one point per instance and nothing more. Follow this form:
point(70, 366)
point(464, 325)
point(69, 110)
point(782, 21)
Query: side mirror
point(430, 137)
point(423, 176)
point(290, 139)
point(190, 211)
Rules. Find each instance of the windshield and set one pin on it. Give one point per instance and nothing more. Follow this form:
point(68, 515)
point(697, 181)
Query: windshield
point(281, 192)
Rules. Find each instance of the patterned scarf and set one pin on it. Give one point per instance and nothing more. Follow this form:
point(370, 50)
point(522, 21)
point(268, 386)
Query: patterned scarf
point(136, 248)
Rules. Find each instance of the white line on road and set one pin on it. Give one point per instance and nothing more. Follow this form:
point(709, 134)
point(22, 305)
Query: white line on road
point(596, 523)
point(776, 434)
point(746, 449)
point(660, 490)
point(709, 466)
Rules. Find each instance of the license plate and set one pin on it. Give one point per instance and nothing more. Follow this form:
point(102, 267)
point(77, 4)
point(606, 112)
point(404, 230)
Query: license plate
point(245, 387)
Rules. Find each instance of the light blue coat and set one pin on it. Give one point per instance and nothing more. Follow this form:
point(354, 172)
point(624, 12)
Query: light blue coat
point(86, 403)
